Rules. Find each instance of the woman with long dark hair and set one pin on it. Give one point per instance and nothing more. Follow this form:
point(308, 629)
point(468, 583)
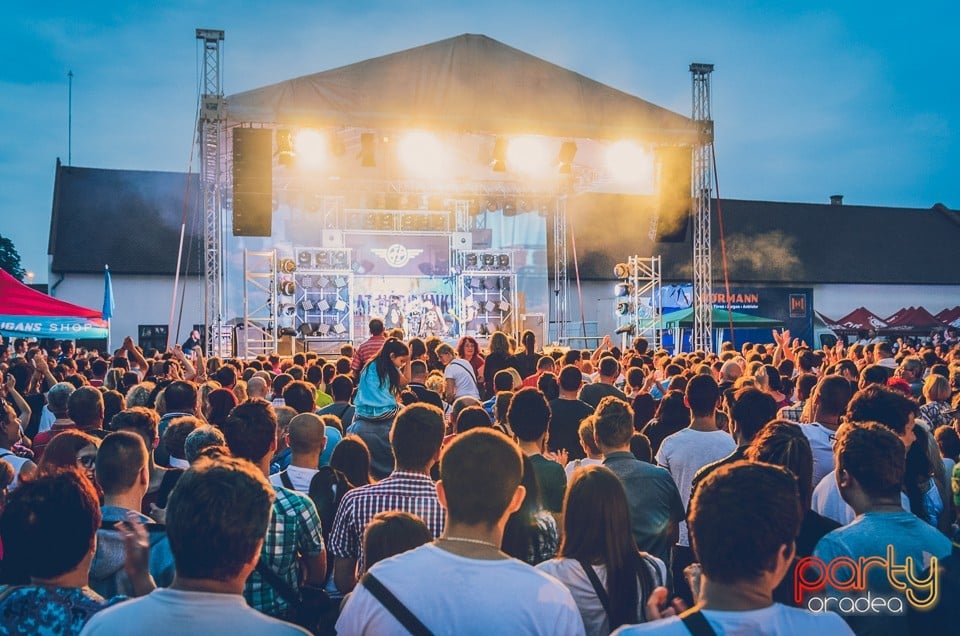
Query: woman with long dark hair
point(531, 533)
point(672, 415)
point(525, 359)
point(609, 578)
point(376, 405)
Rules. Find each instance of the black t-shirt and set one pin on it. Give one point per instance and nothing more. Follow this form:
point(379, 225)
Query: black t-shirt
point(525, 363)
point(426, 395)
point(492, 363)
point(565, 419)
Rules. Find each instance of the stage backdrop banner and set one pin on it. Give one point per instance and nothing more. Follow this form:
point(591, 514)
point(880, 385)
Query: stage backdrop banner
point(399, 255)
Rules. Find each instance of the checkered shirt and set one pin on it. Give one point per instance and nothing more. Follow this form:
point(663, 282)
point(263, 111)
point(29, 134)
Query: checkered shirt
point(411, 492)
point(294, 531)
point(366, 351)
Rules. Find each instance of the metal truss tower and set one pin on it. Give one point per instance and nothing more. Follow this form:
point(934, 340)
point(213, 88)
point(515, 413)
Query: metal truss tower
point(210, 124)
point(560, 276)
point(702, 185)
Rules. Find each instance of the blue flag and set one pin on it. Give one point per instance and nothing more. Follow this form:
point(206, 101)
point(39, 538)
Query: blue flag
point(108, 304)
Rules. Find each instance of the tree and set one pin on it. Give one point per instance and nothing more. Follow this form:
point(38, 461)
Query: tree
point(10, 259)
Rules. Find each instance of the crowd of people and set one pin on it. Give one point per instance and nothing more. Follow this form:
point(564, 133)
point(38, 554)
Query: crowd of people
point(410, 486)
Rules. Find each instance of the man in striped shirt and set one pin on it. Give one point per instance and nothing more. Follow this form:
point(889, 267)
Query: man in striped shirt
point(416, 437)
point(368, 349)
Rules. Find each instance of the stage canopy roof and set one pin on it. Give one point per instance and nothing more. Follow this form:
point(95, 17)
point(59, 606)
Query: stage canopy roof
point(25, 312)
point(469, 83)
point(721, 319)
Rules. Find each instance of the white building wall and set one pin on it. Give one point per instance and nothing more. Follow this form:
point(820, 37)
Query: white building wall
point(139, 300)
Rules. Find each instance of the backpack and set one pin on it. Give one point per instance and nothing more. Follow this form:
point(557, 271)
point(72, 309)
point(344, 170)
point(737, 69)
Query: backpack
point(326, 490)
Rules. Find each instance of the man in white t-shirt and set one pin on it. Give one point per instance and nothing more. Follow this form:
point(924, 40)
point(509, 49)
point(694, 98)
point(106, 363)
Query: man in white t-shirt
point(829, 401)
point(463, 583)
point(217, 517)
point(687, 451)
point(745, 544)
point(461, 380)
point(306, 438)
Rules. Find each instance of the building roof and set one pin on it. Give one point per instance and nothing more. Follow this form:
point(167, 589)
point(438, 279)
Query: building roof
point(771, 242)
point(128, 219)
point(468, 83)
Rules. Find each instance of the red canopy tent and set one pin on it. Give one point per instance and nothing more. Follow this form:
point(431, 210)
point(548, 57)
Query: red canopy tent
point(25, 312)
point(860, 319)
point(949, 316)
point(912, 319)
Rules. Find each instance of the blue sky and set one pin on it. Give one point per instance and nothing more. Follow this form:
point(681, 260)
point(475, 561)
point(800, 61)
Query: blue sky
point(810, 99)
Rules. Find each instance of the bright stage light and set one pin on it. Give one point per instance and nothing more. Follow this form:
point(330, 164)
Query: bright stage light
point(423, 154)
point(313, 148)
point(627, 162)
point(529, 155)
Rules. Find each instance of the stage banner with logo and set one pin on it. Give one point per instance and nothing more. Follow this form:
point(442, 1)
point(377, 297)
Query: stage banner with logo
point(399, 255)
point(52, 327)
point(792, 305)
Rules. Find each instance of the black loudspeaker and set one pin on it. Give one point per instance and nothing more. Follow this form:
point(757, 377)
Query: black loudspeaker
point(674, 196)
point(252, 181)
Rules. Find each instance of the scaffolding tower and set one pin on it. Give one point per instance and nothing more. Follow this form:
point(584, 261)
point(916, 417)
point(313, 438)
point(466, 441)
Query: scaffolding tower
point(210, 123)
point(702, 185)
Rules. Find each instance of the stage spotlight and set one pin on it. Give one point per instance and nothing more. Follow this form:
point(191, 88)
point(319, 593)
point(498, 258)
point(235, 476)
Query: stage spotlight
point(306, 329)
point(323, 328)
point(339, 329)
point(621, 270)
point(504, 306)
point(285, 154)
point(509, 207)
point(488, 260)
point(627, 162)
point(339, 260)
point(287, 266)
point(471, 261)
point(287, 288)
point(568, 150)
point(368, 148)
point(490, 306)
point(340, 281)
point(492, 204)
point(305, 259)
point(499, 163)
point(503, 261)
point(627, 329)
point(306, 305)
point(312, 148)
point(423, 154)
point(288, 310)
point(622, 289)
point(322, 282)
point(623, 308)
point(323, 260)
point(305, 282)
point(323, 305)
point(491, 283)
point(340, 305)
point(528, 155)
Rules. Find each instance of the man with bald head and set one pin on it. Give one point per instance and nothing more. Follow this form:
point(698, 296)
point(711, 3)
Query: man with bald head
point(306, 438)
point(257, 387)
point(730, 372)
